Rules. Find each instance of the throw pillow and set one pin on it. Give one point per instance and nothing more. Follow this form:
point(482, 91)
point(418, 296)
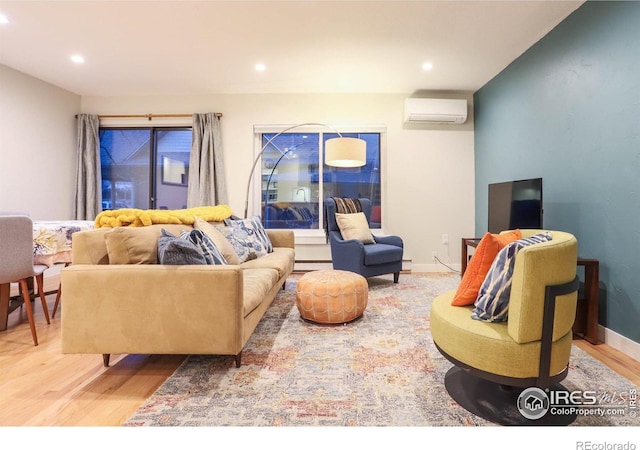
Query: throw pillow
point(205, 245)
point(136, 245)
point(219, 239)
point(251, 227)
point(355, 226)
point(245, 244)
point(479, 266)
point(175, 251)
point(492, 304)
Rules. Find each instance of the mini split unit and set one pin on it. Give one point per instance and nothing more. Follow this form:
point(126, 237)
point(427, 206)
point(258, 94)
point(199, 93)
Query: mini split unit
point(435, 110)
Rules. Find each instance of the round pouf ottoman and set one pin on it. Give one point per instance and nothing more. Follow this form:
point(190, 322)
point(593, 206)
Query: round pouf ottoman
point(332, 296)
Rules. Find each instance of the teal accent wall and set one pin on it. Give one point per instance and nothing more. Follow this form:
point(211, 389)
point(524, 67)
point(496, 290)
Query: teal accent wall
point(568, 110)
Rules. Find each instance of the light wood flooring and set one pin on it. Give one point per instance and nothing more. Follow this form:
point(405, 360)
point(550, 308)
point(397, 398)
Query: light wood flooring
point(39, 386)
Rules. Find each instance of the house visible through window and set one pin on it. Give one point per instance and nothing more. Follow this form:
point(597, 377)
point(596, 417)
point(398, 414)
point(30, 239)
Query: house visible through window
point(295, 180)
point(128, 155)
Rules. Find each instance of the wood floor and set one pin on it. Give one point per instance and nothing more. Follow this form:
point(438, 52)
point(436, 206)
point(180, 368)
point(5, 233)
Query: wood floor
point(41, 387)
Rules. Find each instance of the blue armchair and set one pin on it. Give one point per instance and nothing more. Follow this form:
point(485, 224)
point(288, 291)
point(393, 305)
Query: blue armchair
point(369, 260)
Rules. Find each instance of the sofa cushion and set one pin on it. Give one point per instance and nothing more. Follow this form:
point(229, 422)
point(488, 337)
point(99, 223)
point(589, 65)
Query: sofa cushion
point(218, 239)
point(492, 304)
point(137, 245)
point(479, 266)
point(178, 251)
point(355, 226)
point(256, 283)
point(381, 254)
point(205, 245)
point(280, 259)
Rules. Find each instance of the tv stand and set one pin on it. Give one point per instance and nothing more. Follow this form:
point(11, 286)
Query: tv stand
point(586, 324)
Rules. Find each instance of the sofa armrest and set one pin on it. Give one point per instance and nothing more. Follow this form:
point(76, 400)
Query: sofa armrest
point(155, 309)
point(281, 238)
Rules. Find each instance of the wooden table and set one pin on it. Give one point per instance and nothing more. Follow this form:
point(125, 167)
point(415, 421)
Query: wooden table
point(51, 245)
point(586, 324)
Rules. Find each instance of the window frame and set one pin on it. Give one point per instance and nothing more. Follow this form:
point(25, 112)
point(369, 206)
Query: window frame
point(313, 236)
point(155, 177)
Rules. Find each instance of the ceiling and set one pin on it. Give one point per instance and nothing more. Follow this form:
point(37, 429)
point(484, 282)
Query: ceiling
point(150, 47)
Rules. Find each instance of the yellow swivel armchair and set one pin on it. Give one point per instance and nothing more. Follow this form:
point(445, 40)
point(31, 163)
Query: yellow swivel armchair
point(495, 362)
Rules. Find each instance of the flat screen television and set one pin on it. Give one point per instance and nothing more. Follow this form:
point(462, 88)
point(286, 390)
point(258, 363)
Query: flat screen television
point(515, 204)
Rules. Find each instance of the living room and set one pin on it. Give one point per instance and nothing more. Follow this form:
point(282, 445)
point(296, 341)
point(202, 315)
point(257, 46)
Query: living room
point(555, 105)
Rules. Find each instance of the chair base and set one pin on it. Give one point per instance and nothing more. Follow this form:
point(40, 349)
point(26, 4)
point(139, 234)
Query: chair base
point(494, 402)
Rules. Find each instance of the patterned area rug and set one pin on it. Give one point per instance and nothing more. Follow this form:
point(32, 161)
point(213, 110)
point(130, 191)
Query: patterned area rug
point(380, 370)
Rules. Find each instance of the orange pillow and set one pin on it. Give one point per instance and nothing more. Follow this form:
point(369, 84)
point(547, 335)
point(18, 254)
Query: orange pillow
point(479, 265)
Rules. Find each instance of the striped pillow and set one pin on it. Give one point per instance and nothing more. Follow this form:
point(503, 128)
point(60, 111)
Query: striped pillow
point(492, 304)
point(205, 245)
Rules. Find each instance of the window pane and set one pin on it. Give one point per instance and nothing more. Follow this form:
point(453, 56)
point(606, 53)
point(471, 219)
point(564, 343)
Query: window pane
point(290, 185)
point(358, 182)
point(125, 157)
point(173, 147)
point(295, 182)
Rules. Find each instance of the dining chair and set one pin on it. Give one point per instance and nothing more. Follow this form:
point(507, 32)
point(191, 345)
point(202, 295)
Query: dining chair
point(16, 262)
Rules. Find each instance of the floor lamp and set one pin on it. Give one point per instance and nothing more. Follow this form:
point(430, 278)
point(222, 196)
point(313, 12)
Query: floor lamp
point(338, 152)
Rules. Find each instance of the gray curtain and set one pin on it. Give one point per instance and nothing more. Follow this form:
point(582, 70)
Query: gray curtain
point(88, 201)
point(207, 185)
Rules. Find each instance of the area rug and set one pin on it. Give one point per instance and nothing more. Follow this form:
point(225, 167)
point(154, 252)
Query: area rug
point(379, 370)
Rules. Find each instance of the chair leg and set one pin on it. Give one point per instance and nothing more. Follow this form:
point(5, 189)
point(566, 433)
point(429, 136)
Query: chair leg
point(43, 300)
point(27, 302)
point(396, 277)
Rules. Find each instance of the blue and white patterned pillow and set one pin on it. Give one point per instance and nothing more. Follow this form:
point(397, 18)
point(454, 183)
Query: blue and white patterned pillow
point(246, 238)
point(492, 303)
point(205, 245)
point(251, 227)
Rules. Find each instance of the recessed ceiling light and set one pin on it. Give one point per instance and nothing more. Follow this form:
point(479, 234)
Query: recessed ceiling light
point(3, 19)
point(427, 66)
point(260, 67)
point(78, 59)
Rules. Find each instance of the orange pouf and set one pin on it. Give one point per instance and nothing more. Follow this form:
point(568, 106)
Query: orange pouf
point(332, 296)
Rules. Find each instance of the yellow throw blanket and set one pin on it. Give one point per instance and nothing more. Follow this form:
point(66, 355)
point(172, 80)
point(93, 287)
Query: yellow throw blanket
point(141, 217)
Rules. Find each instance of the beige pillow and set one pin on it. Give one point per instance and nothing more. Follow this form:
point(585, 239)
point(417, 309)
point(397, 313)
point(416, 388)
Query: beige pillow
point(218, 239)
point(355, 226)
point(137, 245)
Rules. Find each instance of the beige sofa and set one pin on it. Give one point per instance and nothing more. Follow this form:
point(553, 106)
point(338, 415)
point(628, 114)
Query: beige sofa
point(162, 309)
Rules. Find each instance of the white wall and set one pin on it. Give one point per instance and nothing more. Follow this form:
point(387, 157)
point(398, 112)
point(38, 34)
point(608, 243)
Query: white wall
point(428, 174)
point(37, 146)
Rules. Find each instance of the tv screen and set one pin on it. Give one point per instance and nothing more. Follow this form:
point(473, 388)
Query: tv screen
point(515, 204)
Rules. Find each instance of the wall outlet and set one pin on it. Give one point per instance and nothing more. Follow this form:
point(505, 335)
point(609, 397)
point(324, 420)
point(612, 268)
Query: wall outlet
point(445, 239)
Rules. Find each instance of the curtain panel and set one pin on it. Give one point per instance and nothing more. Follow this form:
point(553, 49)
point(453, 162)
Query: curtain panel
point(207, 185)
point(88, 199)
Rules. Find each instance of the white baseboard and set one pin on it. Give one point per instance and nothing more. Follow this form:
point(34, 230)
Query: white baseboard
point(619, 342)
point(307, 266)
point(417, 268)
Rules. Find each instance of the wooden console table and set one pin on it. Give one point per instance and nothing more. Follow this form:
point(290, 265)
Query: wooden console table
point(586, 324)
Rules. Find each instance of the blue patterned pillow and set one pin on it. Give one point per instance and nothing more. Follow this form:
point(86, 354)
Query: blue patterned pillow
point(206, 246)
point(246, 246)
point(492, 303)
point(251, 227)
point(175, 251)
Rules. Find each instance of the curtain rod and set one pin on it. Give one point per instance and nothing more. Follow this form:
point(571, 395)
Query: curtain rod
point(146, 116)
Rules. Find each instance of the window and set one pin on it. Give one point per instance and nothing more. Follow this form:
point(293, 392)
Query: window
point(295, 180)
point(128, 155)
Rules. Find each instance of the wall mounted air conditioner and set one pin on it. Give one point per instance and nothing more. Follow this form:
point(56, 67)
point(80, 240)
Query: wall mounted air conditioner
point(435, 110)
